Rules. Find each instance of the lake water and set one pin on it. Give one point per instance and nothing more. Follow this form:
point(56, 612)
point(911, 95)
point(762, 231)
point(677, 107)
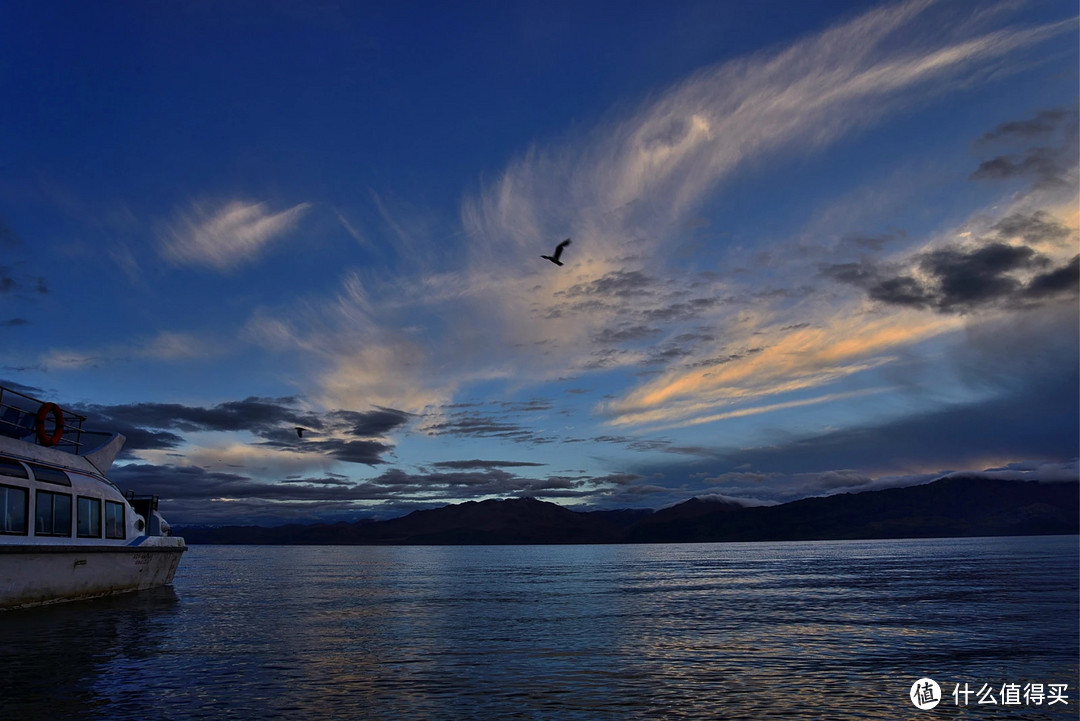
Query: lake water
point(721, 631)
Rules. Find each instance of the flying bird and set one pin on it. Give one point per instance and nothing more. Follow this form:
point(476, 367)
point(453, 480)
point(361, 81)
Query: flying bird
point(558, 252)
point(300, 432)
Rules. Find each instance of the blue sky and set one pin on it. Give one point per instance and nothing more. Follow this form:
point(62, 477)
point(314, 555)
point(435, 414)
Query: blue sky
point(817, 247)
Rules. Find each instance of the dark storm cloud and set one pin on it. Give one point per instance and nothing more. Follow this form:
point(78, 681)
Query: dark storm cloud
point(971, 277)
point(650, 445)
point(624, 333)
point(169, 481)
point(672, 350)
point(476, 463)
point(321, 436)
point(329, 481)
point(199, 495)
point(529, 406)
point(620, 479)
point(159, 425)
point(1032, 227)
point(142, 439)
point(634, 294)
point(604, 358)
point(192, 482)
point(20, 388)
point(501, 421)
point(1044, 123)
point(1064, 280)
point(480, 425)
point(702, 335)
point(727, 358)
point(628, 307)
point(642, 494)
point(681, 311)
point(664, 356)
point(603, 294)
point(1046, 165)
point(963, 279)
point(902, 290)
point(645, 325)
point(367, 452)
point(1042, 163)
point(478, 483)
point(477, 425)
point(251, 414)
point(21, 285)
point(616, 284)
point(561, 310)
point(257, 512)
point(368, 424)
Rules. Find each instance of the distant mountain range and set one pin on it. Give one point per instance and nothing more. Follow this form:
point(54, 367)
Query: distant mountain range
point(949, 507)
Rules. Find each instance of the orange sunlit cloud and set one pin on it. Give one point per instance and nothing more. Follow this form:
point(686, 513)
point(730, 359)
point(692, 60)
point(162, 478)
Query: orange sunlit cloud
point(797, 359)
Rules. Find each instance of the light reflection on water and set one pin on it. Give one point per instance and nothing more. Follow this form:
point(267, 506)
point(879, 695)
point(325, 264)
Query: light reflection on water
point(732, 631)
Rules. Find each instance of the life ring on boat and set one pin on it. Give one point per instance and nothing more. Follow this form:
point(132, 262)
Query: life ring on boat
point(44, 412)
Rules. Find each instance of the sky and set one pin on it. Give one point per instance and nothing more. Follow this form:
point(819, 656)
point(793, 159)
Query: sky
point(816, 247)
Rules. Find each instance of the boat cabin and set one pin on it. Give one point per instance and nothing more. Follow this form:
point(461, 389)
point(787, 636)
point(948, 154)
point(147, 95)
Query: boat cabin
point(51, 489)
point(56, 505)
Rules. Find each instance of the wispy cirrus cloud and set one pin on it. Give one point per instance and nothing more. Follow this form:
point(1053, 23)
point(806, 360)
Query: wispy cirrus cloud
point(625, 191)
point(638, 177)
point(226, 236)
point(792, 360)
point(166, 346)
point(1011, 262)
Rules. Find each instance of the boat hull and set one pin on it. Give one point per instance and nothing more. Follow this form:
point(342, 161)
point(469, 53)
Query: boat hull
point(35, 575)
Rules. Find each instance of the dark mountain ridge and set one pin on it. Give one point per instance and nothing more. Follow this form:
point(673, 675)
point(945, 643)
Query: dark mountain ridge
point(949, 507)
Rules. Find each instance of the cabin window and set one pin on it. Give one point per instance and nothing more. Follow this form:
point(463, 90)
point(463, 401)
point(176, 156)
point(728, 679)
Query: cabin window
point(14, 503)
point(50, 475)
point(11, 467)
point(114, 520)
point(89, 521)
point(52, 515)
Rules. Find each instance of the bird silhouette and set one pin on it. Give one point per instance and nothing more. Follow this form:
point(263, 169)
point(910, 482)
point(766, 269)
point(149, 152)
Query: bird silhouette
point(558, 252)
point(300, 432)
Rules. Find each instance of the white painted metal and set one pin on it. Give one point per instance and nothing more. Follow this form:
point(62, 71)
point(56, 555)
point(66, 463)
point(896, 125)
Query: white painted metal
point(34, 576)
point(37, 569)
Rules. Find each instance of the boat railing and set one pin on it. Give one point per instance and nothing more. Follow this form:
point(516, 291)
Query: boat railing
point(146, 506)
point(149, 501)
point(19, 419)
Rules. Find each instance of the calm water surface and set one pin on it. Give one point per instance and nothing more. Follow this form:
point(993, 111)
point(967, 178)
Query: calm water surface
point(727, 631)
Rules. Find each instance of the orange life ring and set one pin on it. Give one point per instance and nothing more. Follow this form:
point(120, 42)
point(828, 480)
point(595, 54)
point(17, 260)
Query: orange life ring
point(44, 412)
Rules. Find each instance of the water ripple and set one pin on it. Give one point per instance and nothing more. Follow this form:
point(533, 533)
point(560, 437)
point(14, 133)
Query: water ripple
point(731, 631)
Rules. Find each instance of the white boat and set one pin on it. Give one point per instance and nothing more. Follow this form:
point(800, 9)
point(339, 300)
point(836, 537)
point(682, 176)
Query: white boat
point(66, 531)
